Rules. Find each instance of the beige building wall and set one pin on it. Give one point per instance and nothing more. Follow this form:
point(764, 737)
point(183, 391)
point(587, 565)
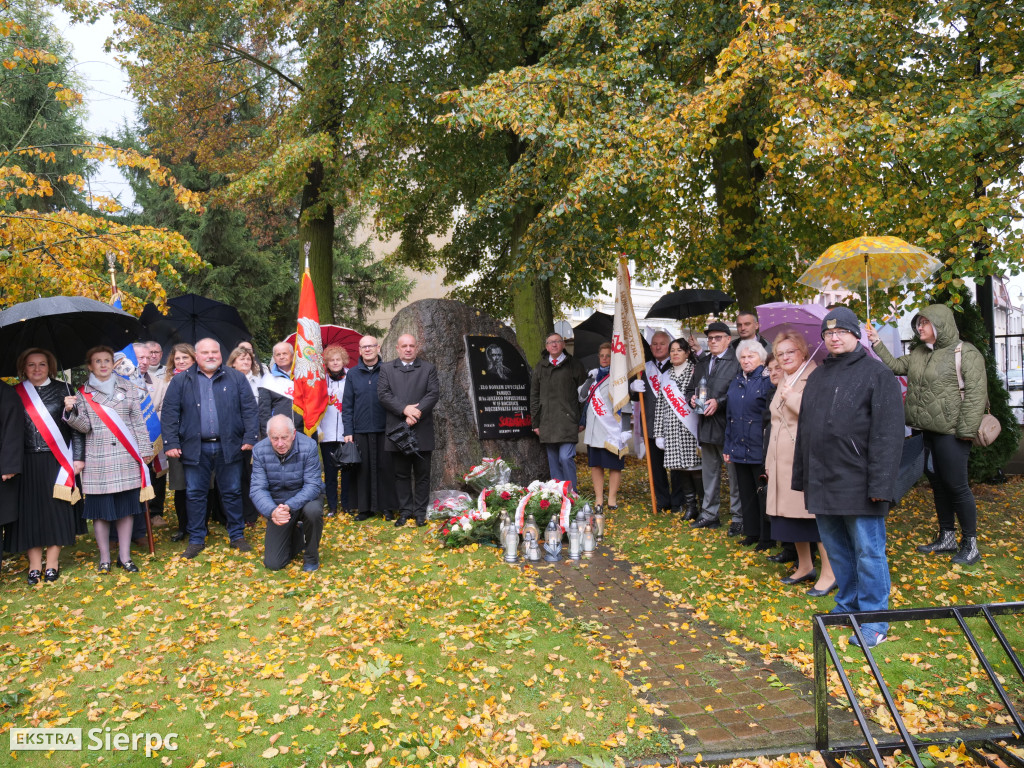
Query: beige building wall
point(426, 285)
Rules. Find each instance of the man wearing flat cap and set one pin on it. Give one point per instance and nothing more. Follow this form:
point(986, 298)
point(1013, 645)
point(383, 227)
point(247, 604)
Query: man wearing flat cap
point(718, 367)
point(847, 455)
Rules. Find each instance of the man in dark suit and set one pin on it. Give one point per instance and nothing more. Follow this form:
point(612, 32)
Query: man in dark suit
point(208, 420)
point(408, 389)
point(718, 367)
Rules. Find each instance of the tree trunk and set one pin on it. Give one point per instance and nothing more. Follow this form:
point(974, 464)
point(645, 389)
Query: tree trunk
point(737, 176)
point(531, 295)
point(316, 227)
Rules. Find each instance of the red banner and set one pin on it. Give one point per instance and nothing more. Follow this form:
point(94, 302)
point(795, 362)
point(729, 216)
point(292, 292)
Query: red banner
point(308, 374)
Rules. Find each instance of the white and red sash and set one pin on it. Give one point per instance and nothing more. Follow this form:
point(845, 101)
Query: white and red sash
point(113, 421)
point(677, 403)
point(64, 487)
point(612, 427)
point(654, 376)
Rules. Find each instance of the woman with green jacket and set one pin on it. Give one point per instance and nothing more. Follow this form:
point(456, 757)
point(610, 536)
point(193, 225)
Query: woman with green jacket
point(948, 418)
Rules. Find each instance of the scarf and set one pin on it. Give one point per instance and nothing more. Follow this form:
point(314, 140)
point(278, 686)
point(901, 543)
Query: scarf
point(106, 387)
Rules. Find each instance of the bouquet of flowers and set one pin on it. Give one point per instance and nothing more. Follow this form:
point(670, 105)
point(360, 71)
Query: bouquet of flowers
point(503, 497)
point(487, 474)
point(465, 527)
point(449, 504)
point(544, 501)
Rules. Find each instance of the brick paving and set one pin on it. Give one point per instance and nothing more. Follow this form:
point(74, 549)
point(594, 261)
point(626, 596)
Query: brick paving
point(718, 698)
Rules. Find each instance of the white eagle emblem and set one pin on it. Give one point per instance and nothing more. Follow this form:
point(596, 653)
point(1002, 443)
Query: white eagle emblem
point(309, 358)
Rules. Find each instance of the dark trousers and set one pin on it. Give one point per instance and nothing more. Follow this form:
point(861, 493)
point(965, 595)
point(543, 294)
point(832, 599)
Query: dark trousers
point(374, 478)
point(412, 484)
point(229, 483)
point(332, 472)
point(945, 463)
point(283, 542)
point(669, 485)
point(747, 476)
point(156, 504)
point(249, 512)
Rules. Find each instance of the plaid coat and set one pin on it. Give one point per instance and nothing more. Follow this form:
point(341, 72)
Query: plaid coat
point(108, 466)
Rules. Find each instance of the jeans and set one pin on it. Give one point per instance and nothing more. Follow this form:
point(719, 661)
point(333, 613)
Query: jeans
point(331, 473)
point(945, 463)
point(562, 462)
point(283, 542)
point(856, 550)
point(197, 486)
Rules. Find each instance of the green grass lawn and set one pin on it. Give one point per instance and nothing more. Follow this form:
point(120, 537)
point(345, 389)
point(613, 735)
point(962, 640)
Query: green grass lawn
point(394, 653)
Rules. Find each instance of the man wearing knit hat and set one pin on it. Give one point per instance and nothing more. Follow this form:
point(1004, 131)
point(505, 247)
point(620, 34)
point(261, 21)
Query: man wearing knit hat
point(846, 458)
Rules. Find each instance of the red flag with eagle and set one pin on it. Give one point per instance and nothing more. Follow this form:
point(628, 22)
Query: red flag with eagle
point(308, 374)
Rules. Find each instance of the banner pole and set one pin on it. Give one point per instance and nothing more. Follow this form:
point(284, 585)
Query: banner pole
point(647, 452)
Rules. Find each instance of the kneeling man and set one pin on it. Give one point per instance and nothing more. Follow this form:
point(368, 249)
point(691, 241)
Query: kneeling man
point(287, 486)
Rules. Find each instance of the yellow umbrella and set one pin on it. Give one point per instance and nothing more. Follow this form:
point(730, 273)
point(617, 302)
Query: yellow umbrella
point(886, 260)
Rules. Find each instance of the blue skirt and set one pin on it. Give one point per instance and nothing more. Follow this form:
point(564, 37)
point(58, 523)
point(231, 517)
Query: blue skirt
point(112, 506)
point(603, 458)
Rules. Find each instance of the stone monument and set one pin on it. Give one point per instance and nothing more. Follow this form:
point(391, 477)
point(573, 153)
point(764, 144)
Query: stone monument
point(440, 326)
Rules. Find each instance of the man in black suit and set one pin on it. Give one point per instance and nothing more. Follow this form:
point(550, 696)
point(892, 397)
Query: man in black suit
point(408, 389)
point(718, 368)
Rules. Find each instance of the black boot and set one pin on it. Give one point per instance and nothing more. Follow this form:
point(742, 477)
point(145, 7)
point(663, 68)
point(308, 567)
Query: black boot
point(691, 509)
point(968, 553)
point(944, 542)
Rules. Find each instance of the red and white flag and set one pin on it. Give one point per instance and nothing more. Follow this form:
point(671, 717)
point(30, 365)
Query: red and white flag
point(308, 374)
point(627, 347)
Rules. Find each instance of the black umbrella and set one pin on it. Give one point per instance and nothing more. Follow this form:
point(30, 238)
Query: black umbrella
point(68, 326)
point(589, 335)
point(690, 302)
point(190, 318)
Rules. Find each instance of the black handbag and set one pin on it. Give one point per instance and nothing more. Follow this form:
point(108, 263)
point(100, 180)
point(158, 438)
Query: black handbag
point(346, 455)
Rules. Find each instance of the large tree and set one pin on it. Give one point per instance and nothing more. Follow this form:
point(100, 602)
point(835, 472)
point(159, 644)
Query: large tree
point(54, 239)
point(730, 143)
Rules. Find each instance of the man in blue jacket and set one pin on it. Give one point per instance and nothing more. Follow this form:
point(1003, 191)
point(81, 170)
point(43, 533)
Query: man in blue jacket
point(287, 487)
point(208, 419)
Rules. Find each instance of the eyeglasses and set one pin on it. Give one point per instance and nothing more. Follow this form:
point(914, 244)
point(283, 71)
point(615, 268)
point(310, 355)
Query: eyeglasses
point(786, 353)
point(368, 346)
point(553, 341)
point(838, 333)
point(717, 337)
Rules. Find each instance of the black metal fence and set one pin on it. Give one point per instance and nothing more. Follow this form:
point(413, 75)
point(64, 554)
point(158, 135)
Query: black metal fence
point(977, 742)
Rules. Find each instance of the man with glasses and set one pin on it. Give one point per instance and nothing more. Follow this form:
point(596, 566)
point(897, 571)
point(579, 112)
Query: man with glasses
point(718, 367)
point(363, 420)
point(555, 407)
point(846, 459)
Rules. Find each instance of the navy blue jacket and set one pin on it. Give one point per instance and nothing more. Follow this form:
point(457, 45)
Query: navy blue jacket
point(744, 426)
point(236, 414)
point(294, 479)
point(361, 411)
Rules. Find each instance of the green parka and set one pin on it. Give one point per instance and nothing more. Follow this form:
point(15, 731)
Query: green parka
point(933, 394)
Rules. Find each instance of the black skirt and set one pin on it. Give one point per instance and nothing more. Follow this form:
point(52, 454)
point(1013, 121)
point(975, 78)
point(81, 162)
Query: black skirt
point(43, 521)
point(112, 506)
point(603, 458)
point(795, 529)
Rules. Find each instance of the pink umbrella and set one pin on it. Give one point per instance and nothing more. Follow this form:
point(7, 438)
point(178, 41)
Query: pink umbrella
point(340, 336)
point(805, 319)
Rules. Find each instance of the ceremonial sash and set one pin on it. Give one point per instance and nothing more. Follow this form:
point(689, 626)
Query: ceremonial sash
point(112, 420)
point(677, 402)
point(64, 487)
point(613, 429)
point(654, 376)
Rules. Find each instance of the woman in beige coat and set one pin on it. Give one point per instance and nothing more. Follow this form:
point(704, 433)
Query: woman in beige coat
point(789, 518)
point(117, 447)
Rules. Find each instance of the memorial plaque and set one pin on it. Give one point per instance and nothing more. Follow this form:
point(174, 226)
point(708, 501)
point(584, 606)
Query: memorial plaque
point(500, 380)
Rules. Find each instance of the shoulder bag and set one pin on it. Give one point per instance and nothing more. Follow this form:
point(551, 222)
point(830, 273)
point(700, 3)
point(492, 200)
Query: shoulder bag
point(990, 427)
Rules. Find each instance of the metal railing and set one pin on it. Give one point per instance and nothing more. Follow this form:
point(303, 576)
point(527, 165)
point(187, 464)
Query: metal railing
point(874, 747)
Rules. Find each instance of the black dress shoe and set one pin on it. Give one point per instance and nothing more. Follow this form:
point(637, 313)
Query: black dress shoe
point(51, 574)
point(747, 541)
point(706, 522)
point(363, 516)
point(33, 577)
point(400, 522)
point(811, 576)
point(785, 556)
point(420, 522)
point(822, 592)
point(389, 516)
point(763, 546)
point(735, 529)
point(177, 536)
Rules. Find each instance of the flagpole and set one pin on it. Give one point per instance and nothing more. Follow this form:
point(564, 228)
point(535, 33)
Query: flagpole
point(647, 453)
